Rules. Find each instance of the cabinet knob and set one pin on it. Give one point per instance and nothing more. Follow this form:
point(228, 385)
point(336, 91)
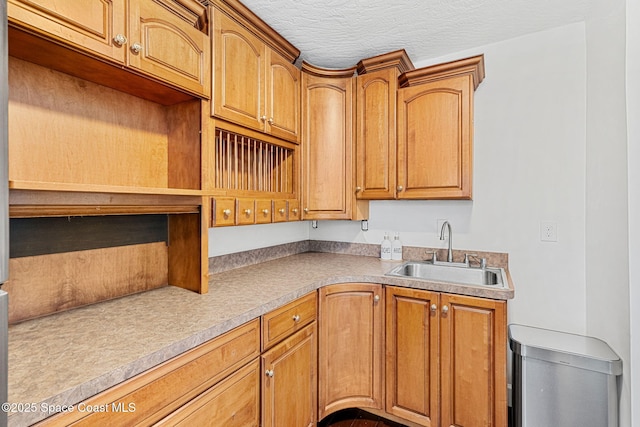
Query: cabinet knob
point(265, 211)
point(376, 298)
point(136, 47)
point(270, 120)
point(445, 309)
point(281, 211)
point(399, 188)
point(119, 39)
point(269, 373)
point(306, 210)
point(247, 212)
point(434, 307)
point(295, 211)
point(296, 318)
point(226, 212)
point(358, 189)
point(263, 118)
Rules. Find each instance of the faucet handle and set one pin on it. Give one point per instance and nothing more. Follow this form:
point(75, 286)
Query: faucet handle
point(434, 256)
point(467, 256)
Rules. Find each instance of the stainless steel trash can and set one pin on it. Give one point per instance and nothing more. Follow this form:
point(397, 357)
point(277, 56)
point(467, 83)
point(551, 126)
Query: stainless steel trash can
point(562, 380)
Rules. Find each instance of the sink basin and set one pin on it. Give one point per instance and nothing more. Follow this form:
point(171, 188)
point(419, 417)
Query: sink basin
point(425, 270)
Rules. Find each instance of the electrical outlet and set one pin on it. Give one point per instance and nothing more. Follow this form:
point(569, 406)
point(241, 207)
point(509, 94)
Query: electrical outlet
point(548, 231)
point(439, 224)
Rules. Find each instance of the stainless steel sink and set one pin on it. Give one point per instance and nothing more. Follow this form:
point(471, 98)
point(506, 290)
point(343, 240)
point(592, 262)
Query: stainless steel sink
point(441, 272)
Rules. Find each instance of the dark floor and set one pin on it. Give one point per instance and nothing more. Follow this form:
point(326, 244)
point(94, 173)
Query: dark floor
point(356, 418)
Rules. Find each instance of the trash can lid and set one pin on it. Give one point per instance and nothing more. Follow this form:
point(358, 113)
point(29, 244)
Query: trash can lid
point(563, 348)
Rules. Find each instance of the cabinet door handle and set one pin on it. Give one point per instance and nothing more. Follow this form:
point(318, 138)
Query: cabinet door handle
point(445, 309)
point(376, 298)
point(295, 211)
point(263, 118)
point(270, 120)
point(434, 307)
point(399, 188)
point(296, 318)
point(358, 189)
point(119, 40)
point(306, 210)
point(269, 373)
point(136, 47)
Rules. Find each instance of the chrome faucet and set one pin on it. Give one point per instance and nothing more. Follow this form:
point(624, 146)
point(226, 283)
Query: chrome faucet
point(450, 251)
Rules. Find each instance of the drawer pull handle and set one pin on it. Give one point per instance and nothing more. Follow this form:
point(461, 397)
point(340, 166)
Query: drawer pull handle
point(247, 212)
point(265, 211)
point(282, 211)
point(226, 212)
point(296, 318)
point(445, 309)
point(269, 373)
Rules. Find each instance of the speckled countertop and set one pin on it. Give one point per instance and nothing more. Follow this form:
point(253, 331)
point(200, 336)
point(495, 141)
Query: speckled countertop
point(67, 357)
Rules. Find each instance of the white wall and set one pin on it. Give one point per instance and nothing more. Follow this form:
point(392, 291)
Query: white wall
point(633, 143)
point(228, 240)
point(607, 256)
point(529, 166)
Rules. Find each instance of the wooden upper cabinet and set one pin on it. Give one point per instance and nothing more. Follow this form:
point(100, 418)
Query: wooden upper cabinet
point(167, 47)
point(473, 361)
point(377, 85)
point(165, 39)
point(327, 143)
point(435, 130)
point(255, 85)
point(90, 27)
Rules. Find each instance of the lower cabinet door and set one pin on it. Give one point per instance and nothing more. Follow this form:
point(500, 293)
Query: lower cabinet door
point(473, 349)
point(412, 391)
point(233, 402)
point(289, 381)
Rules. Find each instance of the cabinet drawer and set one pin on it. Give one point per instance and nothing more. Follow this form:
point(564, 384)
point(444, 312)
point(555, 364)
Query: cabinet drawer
point(286, 320)
point(246, 211)
point(263, 211)
point(223, 211)
point(234, 402)
point(163, 389)
point(294, 210)
point(279, 210)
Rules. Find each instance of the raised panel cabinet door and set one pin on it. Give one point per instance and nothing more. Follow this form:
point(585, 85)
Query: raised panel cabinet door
point(165, 46)
point(412, 386)
point(473, 364)
point(91, 25)
point(289, 381)
point(234, 402)
point(435, 147)
point(376, 134)
point(327, 105)
point(238, 73)
point(350, 342)
point(283, 98)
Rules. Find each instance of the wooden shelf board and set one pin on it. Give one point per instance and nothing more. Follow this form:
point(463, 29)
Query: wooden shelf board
point(95, 188)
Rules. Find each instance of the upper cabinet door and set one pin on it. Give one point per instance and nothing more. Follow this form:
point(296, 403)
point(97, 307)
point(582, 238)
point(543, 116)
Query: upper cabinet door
point(238, 73)
point(376, 135)
point(93, 26)
point(327, 146)
point(283, 98)
point(165, 46)
point(435, 147)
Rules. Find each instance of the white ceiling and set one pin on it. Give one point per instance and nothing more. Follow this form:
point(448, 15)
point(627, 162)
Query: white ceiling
point(338, 33)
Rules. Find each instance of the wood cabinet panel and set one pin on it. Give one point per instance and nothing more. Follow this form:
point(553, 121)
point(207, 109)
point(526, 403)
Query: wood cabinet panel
point(282, 108)
point(245, 211)
point(351, 339)
point(289, 383)
point(234, 402)
point(328, 111)
point(473, 361)
point(280, 210)
point(376, 134)
point(238, 73)
point(263, 211)
point(412, 362)
point(280, 323)
point(92, 26)
point(169, 48)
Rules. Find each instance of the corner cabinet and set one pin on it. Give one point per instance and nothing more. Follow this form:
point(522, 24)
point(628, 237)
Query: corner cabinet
point(435, 130)
point(328, 144)
point(351, 340)
point(446, 359)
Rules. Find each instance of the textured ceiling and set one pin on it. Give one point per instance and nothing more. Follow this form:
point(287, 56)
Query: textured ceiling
point(338, 33)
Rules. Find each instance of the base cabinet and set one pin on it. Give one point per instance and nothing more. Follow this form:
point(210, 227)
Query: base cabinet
point(351, 339)
point(289, 381)
point(446, 359)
